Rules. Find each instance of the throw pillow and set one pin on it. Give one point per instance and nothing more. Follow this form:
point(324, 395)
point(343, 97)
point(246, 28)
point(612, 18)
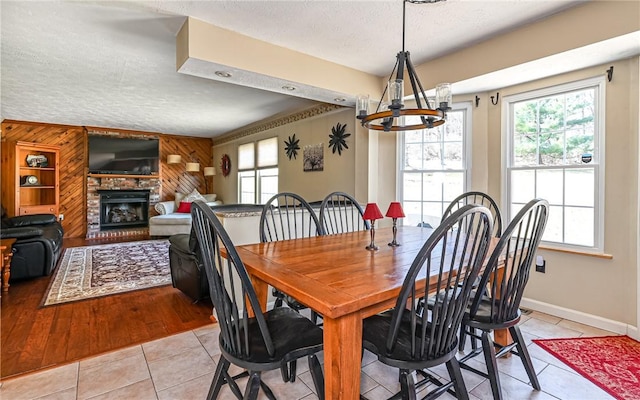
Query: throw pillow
point(178, 199)
point(210, 197)
point(193, 196)
point(185, 207)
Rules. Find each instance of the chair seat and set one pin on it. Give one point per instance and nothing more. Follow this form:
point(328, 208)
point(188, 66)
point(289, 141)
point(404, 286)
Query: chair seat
point(482, 319)
point(375, 330)
point(293, 336)
point(293, 303)
point(171, 219)
point(431, 300)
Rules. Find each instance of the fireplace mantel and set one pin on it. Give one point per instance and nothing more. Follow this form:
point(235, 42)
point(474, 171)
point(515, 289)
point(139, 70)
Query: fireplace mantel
point(124, 176)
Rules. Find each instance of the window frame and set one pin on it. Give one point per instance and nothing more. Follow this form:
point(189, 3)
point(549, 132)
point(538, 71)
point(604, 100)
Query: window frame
point(599, 85)
point(467, 161)
point(256, 170)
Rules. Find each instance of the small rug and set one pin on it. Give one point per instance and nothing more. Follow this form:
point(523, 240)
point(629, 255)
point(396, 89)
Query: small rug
point(610, 362)
point(94, 271)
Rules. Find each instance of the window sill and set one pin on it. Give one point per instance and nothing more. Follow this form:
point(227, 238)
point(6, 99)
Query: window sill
point(577, 252)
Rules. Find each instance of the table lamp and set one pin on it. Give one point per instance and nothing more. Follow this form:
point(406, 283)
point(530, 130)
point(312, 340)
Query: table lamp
point(395, 211)
point(372, 213)
point(192, 167)
point(174, 159)
point(208, 171)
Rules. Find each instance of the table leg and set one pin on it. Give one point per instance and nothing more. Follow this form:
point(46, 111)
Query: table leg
point(6, 271)
point(502, 336)
point(262, 292)
point(342, 357)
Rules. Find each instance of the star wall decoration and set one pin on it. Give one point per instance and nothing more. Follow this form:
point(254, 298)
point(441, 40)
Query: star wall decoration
point(337, 139)
point(291, 146)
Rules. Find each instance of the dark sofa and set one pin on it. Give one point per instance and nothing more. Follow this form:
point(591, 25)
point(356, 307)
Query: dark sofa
point(38, 243)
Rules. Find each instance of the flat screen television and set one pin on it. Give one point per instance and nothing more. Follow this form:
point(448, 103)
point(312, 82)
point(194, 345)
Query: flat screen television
point(123, 156)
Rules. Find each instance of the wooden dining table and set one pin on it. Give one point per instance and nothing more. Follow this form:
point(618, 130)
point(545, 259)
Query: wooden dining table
point(338, 278)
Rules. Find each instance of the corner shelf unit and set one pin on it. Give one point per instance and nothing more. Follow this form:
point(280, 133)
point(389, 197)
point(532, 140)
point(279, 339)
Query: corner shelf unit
point(22, 198)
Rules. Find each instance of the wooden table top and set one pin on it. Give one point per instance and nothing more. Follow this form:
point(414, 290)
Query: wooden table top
point(334, 274)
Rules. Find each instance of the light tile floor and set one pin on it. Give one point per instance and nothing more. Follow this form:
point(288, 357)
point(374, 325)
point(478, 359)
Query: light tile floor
point(182, 366)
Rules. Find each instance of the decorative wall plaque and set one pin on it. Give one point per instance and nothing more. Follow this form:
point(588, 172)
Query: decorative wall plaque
point(313, 157)
point(225, 165)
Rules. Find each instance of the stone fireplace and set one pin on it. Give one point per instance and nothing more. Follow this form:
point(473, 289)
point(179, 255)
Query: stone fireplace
point(123, 209)
point(120, 207)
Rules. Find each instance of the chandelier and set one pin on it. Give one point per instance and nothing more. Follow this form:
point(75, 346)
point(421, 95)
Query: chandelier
point(391, 115)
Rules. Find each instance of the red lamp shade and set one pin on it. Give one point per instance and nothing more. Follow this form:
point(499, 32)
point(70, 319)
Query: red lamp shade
point(372, 212)
point(395, 210)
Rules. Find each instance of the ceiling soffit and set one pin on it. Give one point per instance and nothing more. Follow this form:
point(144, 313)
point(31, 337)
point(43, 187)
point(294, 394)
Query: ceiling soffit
point(266, 66)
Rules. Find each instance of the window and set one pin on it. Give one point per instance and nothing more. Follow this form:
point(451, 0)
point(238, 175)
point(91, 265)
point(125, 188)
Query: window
point(433, 167)
point(555, 152)
point(258, 171)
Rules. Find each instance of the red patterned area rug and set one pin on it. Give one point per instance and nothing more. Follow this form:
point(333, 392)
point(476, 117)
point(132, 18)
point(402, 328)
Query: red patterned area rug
point(611, 362)
point(94, 271)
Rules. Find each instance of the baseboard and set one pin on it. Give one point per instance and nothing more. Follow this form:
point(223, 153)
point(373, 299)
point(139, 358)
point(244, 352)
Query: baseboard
point(633, 332)
point(583, 318)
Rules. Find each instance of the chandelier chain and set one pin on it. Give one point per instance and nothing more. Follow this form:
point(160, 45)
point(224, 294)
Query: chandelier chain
point(393, 117)
point(404, 21)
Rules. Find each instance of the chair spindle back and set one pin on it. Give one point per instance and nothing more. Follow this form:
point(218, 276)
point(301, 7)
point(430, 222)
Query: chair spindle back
point(479, 198)
point(341, 213)
point(515, 252)
point(288, 216)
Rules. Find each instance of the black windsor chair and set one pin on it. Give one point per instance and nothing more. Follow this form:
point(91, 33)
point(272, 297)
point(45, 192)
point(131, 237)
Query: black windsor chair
point(498, 306)
point(288, 216)
point(341, 213)
point(264, 342)
point(408, 340)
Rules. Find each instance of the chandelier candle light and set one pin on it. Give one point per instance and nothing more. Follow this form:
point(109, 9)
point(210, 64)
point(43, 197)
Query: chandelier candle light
point(391, 115)
point(395, 211)
point(372, 213)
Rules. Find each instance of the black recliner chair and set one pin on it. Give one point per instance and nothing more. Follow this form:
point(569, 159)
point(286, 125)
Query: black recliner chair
point(187, 272)
point(38, 243)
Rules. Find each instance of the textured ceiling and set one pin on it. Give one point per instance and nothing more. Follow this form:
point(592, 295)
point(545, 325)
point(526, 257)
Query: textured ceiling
point(112, 64)
point(78, 64)
point(366, 35)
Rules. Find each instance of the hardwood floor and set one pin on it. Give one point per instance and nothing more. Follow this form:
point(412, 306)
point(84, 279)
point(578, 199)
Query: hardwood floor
point(35, 337)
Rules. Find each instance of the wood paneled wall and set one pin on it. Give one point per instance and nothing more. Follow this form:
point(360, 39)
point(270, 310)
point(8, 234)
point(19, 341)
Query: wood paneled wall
point(174, 176)
point(71, 140)
point(73, 162)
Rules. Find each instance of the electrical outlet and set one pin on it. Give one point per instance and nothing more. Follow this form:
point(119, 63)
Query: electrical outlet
point(540, 264)
point(61, 217)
